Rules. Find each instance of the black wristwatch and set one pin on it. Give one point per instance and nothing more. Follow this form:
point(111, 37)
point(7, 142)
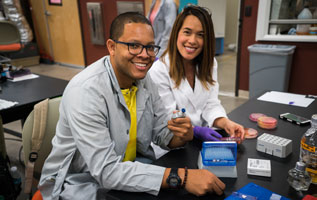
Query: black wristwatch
point(173, 180)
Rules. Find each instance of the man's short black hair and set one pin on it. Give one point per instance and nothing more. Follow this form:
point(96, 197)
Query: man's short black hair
point(117, 25)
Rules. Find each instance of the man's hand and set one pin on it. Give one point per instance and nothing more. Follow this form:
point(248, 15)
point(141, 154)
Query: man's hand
point(182, 130)
point(202, 181)
point(199, 181)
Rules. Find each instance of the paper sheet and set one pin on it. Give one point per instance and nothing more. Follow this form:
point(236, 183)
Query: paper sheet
point(6, 104)
point(26, 77)
point(286, 98)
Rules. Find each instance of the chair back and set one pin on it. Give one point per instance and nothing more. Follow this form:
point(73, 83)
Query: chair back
point(10, 39)
point(9, 33)
point(46, 147)
point(2, 141)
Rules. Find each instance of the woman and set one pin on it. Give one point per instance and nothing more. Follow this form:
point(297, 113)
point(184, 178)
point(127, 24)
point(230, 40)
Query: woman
point(186, 75)
point(162, 16)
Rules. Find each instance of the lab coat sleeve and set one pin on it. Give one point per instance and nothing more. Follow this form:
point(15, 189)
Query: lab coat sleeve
point(86, 113)
point(160, 76)
point(213, 108)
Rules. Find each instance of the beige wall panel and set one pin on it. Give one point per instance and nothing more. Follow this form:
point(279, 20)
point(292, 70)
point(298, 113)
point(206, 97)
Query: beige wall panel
point(232, 22)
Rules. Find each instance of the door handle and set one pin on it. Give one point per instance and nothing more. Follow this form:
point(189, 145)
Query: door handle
point(47, 13)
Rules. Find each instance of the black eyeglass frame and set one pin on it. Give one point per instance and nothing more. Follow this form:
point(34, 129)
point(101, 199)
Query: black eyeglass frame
point(143, 46)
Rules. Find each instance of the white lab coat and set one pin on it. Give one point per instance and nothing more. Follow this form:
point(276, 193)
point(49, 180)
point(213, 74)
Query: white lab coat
point(202, 105)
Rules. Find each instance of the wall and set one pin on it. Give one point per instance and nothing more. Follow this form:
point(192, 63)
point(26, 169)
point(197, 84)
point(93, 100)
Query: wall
point(232, 19)
point(304, 65)
point(109, 11)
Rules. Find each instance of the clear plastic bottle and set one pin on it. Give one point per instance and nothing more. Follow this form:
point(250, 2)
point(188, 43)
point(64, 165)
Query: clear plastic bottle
point(313, 27)
point(308, 149)
point(298, 177)
point(303, 29)
point(16, 178)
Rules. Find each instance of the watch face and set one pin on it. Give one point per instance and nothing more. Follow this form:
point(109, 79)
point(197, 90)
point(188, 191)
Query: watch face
point(174, 182)
point(173, 179)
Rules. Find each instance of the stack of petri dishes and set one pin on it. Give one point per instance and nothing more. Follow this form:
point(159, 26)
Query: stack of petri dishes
point(267, 122)
point(255, 116)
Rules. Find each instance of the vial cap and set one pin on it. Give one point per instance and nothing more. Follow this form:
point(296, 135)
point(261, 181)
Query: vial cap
point(13, 169)
point(300, 166)
point(314, 119)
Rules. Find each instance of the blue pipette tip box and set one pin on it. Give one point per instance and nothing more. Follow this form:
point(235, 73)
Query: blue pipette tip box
point(219, 153)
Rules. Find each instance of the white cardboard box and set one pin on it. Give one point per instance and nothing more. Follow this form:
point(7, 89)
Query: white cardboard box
point(259, 167)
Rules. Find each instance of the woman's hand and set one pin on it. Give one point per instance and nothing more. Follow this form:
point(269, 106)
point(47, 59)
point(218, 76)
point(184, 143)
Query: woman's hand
point(232, 128)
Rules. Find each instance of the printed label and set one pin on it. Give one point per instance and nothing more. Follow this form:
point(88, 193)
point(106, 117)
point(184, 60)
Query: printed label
point(308, 147)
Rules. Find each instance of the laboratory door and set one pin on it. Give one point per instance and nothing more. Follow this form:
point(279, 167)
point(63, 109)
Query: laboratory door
point(58, 32)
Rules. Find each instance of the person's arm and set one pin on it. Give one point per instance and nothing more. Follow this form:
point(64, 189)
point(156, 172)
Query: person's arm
point(232, 128)
point(199, 181)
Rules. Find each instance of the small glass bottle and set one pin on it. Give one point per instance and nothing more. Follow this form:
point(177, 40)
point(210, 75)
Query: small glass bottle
point(308, 149)
point(298, 177)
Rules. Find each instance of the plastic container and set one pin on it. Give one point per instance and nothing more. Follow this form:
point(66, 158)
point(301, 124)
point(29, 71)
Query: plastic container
point(303, 29)
point(223, 153)
point(270, 67)
point(308, 149)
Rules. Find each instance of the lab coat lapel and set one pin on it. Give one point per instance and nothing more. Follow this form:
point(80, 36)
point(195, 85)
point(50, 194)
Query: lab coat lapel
point(196, 97)
point(200, 95)
point(187, 91)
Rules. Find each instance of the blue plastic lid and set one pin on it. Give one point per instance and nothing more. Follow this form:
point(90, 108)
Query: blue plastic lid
point(219, 153)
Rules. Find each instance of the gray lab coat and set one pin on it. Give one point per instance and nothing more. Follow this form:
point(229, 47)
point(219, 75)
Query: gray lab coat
point(163, 23)
point(92, 135)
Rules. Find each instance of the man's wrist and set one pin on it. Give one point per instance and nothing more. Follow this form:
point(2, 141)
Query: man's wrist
point(185, 177)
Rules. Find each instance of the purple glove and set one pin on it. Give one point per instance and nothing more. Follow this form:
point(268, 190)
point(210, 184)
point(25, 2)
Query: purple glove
point(206, 134)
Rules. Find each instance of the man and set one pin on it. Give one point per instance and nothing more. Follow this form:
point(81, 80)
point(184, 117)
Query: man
point(109, 115)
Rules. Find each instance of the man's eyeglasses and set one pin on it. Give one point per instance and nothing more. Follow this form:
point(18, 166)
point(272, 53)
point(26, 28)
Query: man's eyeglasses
point(136, 48)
